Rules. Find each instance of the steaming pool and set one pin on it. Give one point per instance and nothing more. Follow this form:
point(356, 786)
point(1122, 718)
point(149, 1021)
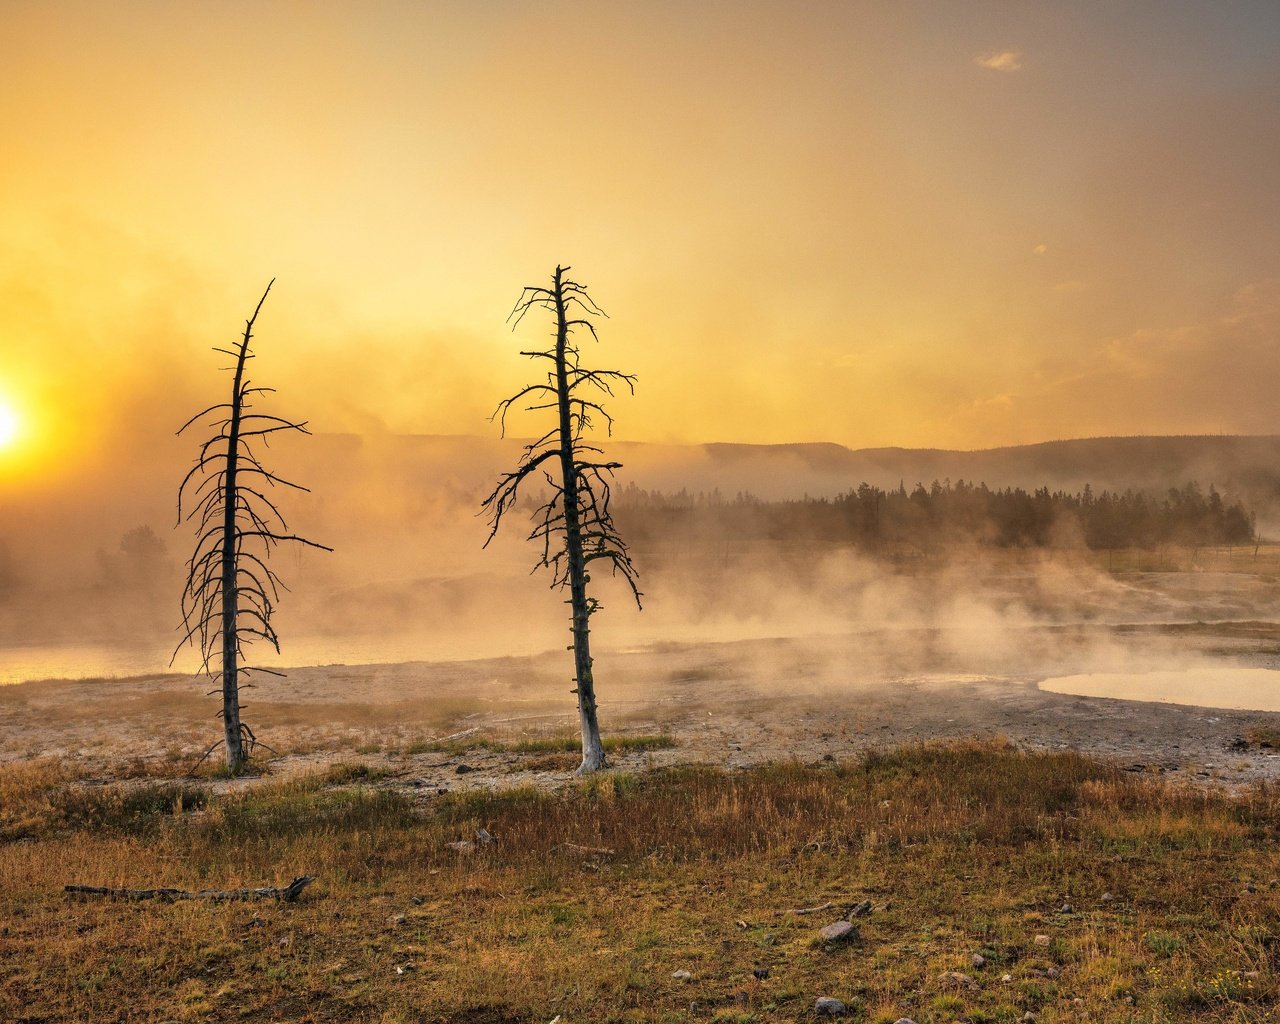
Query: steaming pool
point(1234, 689)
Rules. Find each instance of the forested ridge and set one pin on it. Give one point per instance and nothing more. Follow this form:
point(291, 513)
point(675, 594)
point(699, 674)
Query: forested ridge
point(946, 512)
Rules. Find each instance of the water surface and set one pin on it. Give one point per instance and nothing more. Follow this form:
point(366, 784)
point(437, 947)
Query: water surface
point(1236, 689)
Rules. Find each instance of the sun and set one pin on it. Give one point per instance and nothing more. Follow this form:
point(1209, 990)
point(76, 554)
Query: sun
point(10, 425)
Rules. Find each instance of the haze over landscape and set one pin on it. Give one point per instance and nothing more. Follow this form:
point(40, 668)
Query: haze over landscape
point(870, 224)
point(925, 574)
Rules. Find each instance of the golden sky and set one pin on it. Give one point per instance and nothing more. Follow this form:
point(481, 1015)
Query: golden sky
point(876, 223)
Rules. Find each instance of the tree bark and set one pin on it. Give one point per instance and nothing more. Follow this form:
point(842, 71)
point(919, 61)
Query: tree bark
point(593, 757)
point(230, 594)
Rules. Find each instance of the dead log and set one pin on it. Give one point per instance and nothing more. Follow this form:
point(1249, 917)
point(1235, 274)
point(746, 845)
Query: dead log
point(804, 910)
point(287, 893)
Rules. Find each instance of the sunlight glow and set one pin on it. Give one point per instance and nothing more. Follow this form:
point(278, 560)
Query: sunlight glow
point(10, 425)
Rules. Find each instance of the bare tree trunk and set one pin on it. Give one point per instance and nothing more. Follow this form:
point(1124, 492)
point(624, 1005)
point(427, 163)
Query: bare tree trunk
point(574, 525)
point(230, 593)
point(584, 683)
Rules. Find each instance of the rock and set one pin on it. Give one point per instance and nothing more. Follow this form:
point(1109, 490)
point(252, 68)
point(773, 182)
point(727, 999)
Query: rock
point(462, 769)
point(904, 1020)
point(1239, 743)
point(1041, 940)
point(1053, 973)
point(1065, 909)
point(839, 931)
point(979, 961)
point(1250, 887)
point(954, 979)
point(825, 1006)
point(1077, 1001)
point(861, 910)
point(1107, 897)
point(1006, 978)
point(1029, 1018)
point(682, 976)
point(761, 973)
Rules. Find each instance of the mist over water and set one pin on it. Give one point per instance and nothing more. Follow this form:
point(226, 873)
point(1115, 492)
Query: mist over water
point(90, 587)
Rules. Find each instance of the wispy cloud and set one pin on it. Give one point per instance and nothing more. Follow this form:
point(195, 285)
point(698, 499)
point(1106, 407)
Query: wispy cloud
point(1005, 60)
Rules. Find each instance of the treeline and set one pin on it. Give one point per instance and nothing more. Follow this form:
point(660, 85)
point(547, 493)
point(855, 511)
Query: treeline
point(947, 512)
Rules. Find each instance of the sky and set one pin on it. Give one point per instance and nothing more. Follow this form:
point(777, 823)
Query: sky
point(956, 225)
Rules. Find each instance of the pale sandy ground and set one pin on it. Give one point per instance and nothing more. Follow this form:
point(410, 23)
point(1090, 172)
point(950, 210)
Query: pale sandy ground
point(730, 704)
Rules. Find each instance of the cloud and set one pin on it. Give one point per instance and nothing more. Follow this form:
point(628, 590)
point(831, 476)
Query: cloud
point(1005, 60)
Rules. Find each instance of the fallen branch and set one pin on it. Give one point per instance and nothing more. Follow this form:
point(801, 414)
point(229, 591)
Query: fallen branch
point(287, 893)
point(805, 910)
point(584, 849)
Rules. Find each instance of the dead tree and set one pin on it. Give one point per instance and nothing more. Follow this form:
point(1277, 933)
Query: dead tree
point(231, 592)
point(573, 526)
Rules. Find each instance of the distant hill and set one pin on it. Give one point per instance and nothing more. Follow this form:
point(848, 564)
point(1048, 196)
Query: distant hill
point(378, 496)
point(1248, 467)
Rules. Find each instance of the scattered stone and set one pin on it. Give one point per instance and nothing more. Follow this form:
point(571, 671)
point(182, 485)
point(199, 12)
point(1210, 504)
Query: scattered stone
point(825, 1006)
point(682, 976)
point(1077, 1001)
point(904, 1020)
point(1053, 973)
point(839, 931)
point(1107, 897)
point(1041, 940)
point(828, 757)
point(397, 919)
point(417, 901)
point(979, 961)
point(861, 910)
point(1250, 887)
point(1065, 909)
point(761, 973)
point(1029, 1018)
point(418, 783)
point(462, 769)
point(1239, 743)
point(954, 979)
point(1006, 978)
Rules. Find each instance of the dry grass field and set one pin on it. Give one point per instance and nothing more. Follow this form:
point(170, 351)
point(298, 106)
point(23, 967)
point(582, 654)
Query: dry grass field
point(1090, 893)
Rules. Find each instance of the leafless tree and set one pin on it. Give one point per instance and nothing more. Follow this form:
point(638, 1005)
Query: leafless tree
point(231, 592)
point(573, 526)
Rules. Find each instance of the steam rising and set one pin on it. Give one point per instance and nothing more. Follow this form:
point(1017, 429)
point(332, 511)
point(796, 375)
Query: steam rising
point(409, 581)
